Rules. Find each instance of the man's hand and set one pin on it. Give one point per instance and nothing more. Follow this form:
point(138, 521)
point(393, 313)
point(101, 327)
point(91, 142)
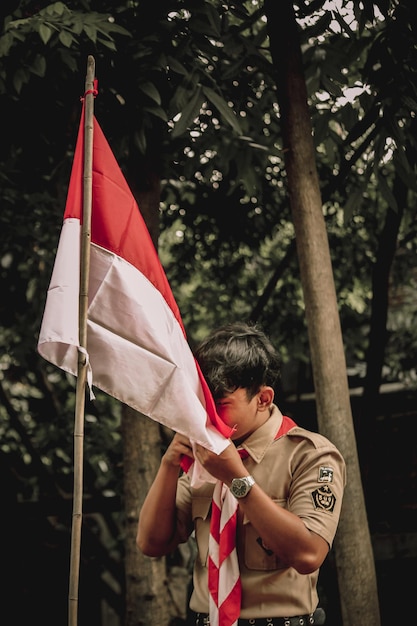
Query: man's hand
point(224, 466)
point(179, 446)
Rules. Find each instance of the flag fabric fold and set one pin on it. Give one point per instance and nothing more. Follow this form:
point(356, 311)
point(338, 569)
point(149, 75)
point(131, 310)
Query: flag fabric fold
point(136, 342)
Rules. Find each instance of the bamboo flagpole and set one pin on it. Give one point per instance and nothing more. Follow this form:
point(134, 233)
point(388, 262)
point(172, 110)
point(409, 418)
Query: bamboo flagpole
point(82, 353)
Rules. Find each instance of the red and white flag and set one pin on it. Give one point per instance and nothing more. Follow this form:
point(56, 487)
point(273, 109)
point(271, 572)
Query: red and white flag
point(136, 343)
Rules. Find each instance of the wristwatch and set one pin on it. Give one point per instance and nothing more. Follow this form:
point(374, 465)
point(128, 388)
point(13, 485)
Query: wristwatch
point(240, 487)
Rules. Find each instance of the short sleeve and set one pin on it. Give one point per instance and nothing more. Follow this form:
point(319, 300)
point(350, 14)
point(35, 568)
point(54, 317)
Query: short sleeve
point(184, 510)
point(317, 486)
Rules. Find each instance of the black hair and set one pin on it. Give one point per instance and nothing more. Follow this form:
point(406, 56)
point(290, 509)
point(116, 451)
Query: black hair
point(238, 355)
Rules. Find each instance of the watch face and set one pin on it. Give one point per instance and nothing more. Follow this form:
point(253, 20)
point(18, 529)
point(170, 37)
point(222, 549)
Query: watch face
point(239, 487)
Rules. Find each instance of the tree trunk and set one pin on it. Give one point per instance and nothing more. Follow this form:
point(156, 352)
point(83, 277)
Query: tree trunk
point(147, 599)
point(353, 549)
point(147, 595)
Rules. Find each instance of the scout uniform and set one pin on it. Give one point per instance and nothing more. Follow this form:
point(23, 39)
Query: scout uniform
point(302, 472)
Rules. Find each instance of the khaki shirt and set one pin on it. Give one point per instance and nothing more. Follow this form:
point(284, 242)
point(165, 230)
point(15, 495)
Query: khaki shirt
point(302, 472)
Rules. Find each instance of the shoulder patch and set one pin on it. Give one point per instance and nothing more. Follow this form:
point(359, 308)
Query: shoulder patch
point(324, 498)
point(325, 474)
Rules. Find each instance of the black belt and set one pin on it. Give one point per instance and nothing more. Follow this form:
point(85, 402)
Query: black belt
point(318, 618)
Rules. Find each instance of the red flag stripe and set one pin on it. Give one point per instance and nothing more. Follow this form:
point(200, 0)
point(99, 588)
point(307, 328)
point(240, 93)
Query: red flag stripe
point(116, 222)
point(118, 226)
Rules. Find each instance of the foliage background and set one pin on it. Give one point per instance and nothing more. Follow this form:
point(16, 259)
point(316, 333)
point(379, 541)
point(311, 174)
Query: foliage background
point(187, 97)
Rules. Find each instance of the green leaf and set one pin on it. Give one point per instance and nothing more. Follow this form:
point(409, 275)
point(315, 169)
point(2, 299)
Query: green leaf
point(157, 112)
point(19, 79)
point(45, 33)
point(189, 114)
point(77, 26)
point(180, 98)
point(330, 86)
point(57, 8)
point(5, 44)
point(91, 32)
point(38, 67)
point(176, 66)
point(108, 44)
point(223, 109)
point(66, 38)
point(150, 90)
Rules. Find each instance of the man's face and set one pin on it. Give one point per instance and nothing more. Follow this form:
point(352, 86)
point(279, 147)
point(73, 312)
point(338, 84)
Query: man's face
point(245, 415)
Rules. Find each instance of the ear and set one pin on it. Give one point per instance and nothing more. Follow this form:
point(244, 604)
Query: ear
point(265, 398)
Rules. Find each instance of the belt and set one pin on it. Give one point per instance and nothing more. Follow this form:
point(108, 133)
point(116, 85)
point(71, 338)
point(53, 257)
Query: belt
point(318, 618)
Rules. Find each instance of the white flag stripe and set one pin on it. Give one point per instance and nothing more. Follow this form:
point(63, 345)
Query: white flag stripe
point(60, 323)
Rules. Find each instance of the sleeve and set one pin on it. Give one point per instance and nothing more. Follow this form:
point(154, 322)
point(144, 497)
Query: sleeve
point(317, 486)
point(184, 511)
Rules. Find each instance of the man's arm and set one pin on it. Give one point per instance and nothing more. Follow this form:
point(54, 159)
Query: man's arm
point(157, 527)
point(282, 531)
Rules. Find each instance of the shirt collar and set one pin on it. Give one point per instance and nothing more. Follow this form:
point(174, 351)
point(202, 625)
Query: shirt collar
point(259, 441)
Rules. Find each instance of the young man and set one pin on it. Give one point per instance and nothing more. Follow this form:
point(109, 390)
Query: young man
point(289, 488)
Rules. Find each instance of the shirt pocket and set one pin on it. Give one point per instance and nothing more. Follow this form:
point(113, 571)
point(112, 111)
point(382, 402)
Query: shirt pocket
point(257, 554)
point(200, 512)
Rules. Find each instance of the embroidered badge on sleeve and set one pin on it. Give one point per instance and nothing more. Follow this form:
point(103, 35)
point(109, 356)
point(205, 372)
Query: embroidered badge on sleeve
point(324, 498)
point(325, 474)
